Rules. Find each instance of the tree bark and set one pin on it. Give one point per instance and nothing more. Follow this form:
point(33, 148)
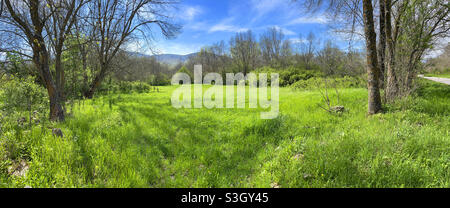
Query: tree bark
point(392, 88)
point(372, 59)
point(414, 60)
point(382, 45)
point(41, 61)
point(60, 81)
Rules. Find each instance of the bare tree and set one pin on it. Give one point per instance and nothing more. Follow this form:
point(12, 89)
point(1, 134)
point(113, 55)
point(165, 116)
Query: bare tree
point(63, 16)
point(306, 50)
point(353, 14)
point(331, 60)
point(286, 53)
point(27, 21)
point(213, 58)
point(244, 51)
point(113, 24)
point(310, 49)
point(271, 46)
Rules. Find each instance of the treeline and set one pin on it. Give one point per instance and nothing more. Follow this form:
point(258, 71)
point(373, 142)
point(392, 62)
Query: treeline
point(273, 52)
point(76, 48)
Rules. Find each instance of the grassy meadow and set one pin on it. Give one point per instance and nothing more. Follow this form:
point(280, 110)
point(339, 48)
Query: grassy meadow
point(140, 140)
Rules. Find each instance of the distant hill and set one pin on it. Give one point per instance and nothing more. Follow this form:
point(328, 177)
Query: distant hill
point(170, 59)
point(173, 58)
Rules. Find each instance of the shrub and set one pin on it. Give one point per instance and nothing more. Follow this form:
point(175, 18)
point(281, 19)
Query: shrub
point(22, 95)
point(341, 82)
point(159, 80)
point(290, 75)
point(140, 87)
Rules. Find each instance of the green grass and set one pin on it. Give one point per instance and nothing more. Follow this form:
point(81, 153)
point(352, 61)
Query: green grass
point(141, 141)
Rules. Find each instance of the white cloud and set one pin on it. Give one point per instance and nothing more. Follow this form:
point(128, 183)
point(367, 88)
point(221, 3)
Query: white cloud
point(275, 10)
point(285, 31)
point(226, 26)
point(320, 19)
point(200, 26)
point(190, 12)
point(265, 6)
point(163, 47)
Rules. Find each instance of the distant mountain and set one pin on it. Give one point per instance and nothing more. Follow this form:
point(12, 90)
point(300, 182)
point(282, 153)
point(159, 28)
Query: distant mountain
point(173, 58)
point(170, 59)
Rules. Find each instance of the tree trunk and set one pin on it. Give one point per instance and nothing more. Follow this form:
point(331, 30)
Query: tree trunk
point(372, 59)
point(382, 45)
point(392, 88)
point(56, 110)
point(33, 32)
point(41, 60)
point(89, 94)
point(415, 58)
point(60, 82)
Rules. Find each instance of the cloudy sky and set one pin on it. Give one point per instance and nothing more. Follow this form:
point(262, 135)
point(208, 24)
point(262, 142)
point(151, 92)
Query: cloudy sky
point(208, 21)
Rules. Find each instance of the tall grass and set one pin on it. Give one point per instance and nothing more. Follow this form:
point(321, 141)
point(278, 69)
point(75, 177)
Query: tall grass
point(139, 140)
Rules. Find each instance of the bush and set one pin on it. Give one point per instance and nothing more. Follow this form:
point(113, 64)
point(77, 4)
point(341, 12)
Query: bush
point(159, 80)
point(140, 87)
point(342, 82)
point(22, 96)
point(124, 87)
point(290, 75)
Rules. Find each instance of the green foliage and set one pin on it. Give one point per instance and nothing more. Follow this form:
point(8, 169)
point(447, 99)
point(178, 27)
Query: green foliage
point(159, 80)
point(23, 94)
point(16, 66)
point(290, 75)
point(124, 87)
point(320, 83)
point(75, 75)
point(183, 69)
point(140, 87)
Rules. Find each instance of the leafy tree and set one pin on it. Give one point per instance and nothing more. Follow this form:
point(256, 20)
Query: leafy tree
point(113, 24)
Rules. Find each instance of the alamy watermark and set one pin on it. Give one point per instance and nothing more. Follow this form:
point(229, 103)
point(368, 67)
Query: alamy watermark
point(233, 94)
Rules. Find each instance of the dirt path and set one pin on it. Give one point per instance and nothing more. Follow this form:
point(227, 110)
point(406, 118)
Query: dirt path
point(437, 79)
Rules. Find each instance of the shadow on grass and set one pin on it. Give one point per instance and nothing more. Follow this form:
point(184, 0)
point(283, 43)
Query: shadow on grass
point(201, 140)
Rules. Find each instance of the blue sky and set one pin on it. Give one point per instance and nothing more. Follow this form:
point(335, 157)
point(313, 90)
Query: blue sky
point(208, 21)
